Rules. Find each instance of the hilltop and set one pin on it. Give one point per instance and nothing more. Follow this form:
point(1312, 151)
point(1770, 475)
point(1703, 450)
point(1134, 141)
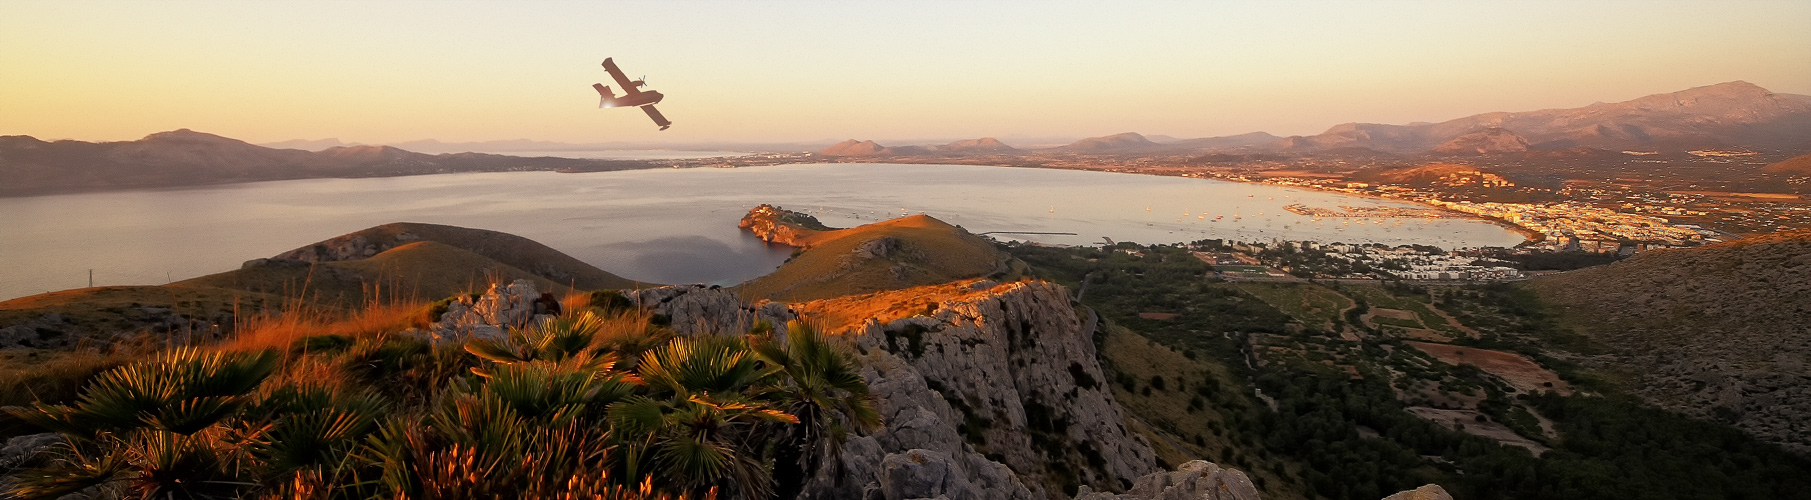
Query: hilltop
point(392, 262)
point(1718, 331)
point(29, 166)
point(887, 255)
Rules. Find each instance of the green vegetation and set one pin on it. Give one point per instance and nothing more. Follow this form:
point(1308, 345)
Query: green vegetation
point(1310, 413)
point(593, 404)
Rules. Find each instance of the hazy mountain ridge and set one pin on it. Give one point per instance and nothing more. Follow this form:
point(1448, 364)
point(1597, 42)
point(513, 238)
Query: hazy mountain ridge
point(1726, 114)
point(29, 166)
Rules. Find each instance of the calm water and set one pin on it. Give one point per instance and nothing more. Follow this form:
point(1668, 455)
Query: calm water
point(662, 226)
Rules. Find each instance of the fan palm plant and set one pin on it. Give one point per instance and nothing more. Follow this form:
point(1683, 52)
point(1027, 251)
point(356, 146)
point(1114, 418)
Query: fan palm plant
point(695, 426)
point(182, 391)
point(822, 386)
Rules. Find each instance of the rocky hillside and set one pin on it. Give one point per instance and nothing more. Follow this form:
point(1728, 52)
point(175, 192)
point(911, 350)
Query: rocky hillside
point(29, 166)
point(887, 255)
point(987, 390)
point(516, 251)
point(1717, 332)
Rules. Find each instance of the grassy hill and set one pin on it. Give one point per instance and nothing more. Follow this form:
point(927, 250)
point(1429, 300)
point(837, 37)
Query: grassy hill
point(407, 263)
point(888, 255)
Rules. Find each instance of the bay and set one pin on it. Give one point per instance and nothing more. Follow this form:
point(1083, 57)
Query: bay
point(660, 225)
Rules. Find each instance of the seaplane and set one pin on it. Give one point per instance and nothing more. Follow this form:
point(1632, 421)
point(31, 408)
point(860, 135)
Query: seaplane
point(633, 95)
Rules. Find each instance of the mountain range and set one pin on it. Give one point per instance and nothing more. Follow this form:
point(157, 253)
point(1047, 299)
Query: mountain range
point(29, 166)
point(1733, 114)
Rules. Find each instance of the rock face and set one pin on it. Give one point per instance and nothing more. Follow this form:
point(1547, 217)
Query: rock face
point(780, 226)
point(1006, 385)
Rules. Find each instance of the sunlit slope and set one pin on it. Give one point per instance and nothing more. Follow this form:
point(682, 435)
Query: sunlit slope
point(888, 255)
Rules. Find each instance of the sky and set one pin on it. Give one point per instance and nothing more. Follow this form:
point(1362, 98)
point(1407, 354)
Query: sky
point(381, 72)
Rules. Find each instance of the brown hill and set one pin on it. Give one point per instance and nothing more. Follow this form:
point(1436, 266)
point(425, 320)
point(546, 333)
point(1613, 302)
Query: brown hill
point(1484, 142)
point(1800, 165)
point(1433, 175)
point(29, 166)
point(1726, 114)
point(982, 145)
point(852, 147)
point(394, 261)
point(1126, 142)
point(1718, 331)
point(887, 255)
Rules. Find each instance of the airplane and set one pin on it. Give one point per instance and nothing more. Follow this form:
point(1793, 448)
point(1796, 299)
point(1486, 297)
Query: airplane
point(632, 95)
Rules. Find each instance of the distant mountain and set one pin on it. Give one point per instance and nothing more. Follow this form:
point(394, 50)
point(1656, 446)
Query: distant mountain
point(1726, 114)
point(1129, 141)
point(1230, 141)
point(982, 145)
point(1800, 165)
point(308, 145)
point(1492, 140)
point(184, 157)
point(852, 147)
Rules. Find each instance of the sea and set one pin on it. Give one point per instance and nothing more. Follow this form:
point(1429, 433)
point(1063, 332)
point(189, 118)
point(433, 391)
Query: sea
point(662, 225)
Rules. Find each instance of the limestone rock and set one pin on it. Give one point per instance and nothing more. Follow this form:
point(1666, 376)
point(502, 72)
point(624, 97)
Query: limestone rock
point(922, 474)
point(1427, 492)
point(695, 309)
point(1194, 480)
point(488, 316)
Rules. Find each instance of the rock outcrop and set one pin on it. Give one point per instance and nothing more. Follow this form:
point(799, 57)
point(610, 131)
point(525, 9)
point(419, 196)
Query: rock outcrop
point(780, 226)
point(998, 378)
point(486, 316)
point(695, 309)
point(1198, 479)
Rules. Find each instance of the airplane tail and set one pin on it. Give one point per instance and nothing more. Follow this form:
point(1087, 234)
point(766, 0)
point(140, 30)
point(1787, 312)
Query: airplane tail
point(604, 95)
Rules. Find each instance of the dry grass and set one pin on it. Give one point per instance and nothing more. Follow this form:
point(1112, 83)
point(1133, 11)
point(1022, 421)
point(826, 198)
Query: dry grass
point(282, 330)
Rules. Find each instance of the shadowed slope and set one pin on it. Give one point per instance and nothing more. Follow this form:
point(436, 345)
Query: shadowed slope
point(1718, 331)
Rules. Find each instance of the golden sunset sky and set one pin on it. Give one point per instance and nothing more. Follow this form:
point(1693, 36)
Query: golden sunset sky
point(376, 72)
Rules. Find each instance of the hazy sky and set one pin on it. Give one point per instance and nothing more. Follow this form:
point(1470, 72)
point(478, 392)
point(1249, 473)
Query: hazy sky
point(782, 71)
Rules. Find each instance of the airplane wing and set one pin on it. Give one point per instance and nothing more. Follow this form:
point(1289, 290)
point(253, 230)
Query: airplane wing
point(621, 81)
point(655, 114)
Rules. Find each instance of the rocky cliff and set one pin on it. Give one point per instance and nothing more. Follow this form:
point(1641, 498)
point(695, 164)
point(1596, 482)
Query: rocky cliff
point(992, 391)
